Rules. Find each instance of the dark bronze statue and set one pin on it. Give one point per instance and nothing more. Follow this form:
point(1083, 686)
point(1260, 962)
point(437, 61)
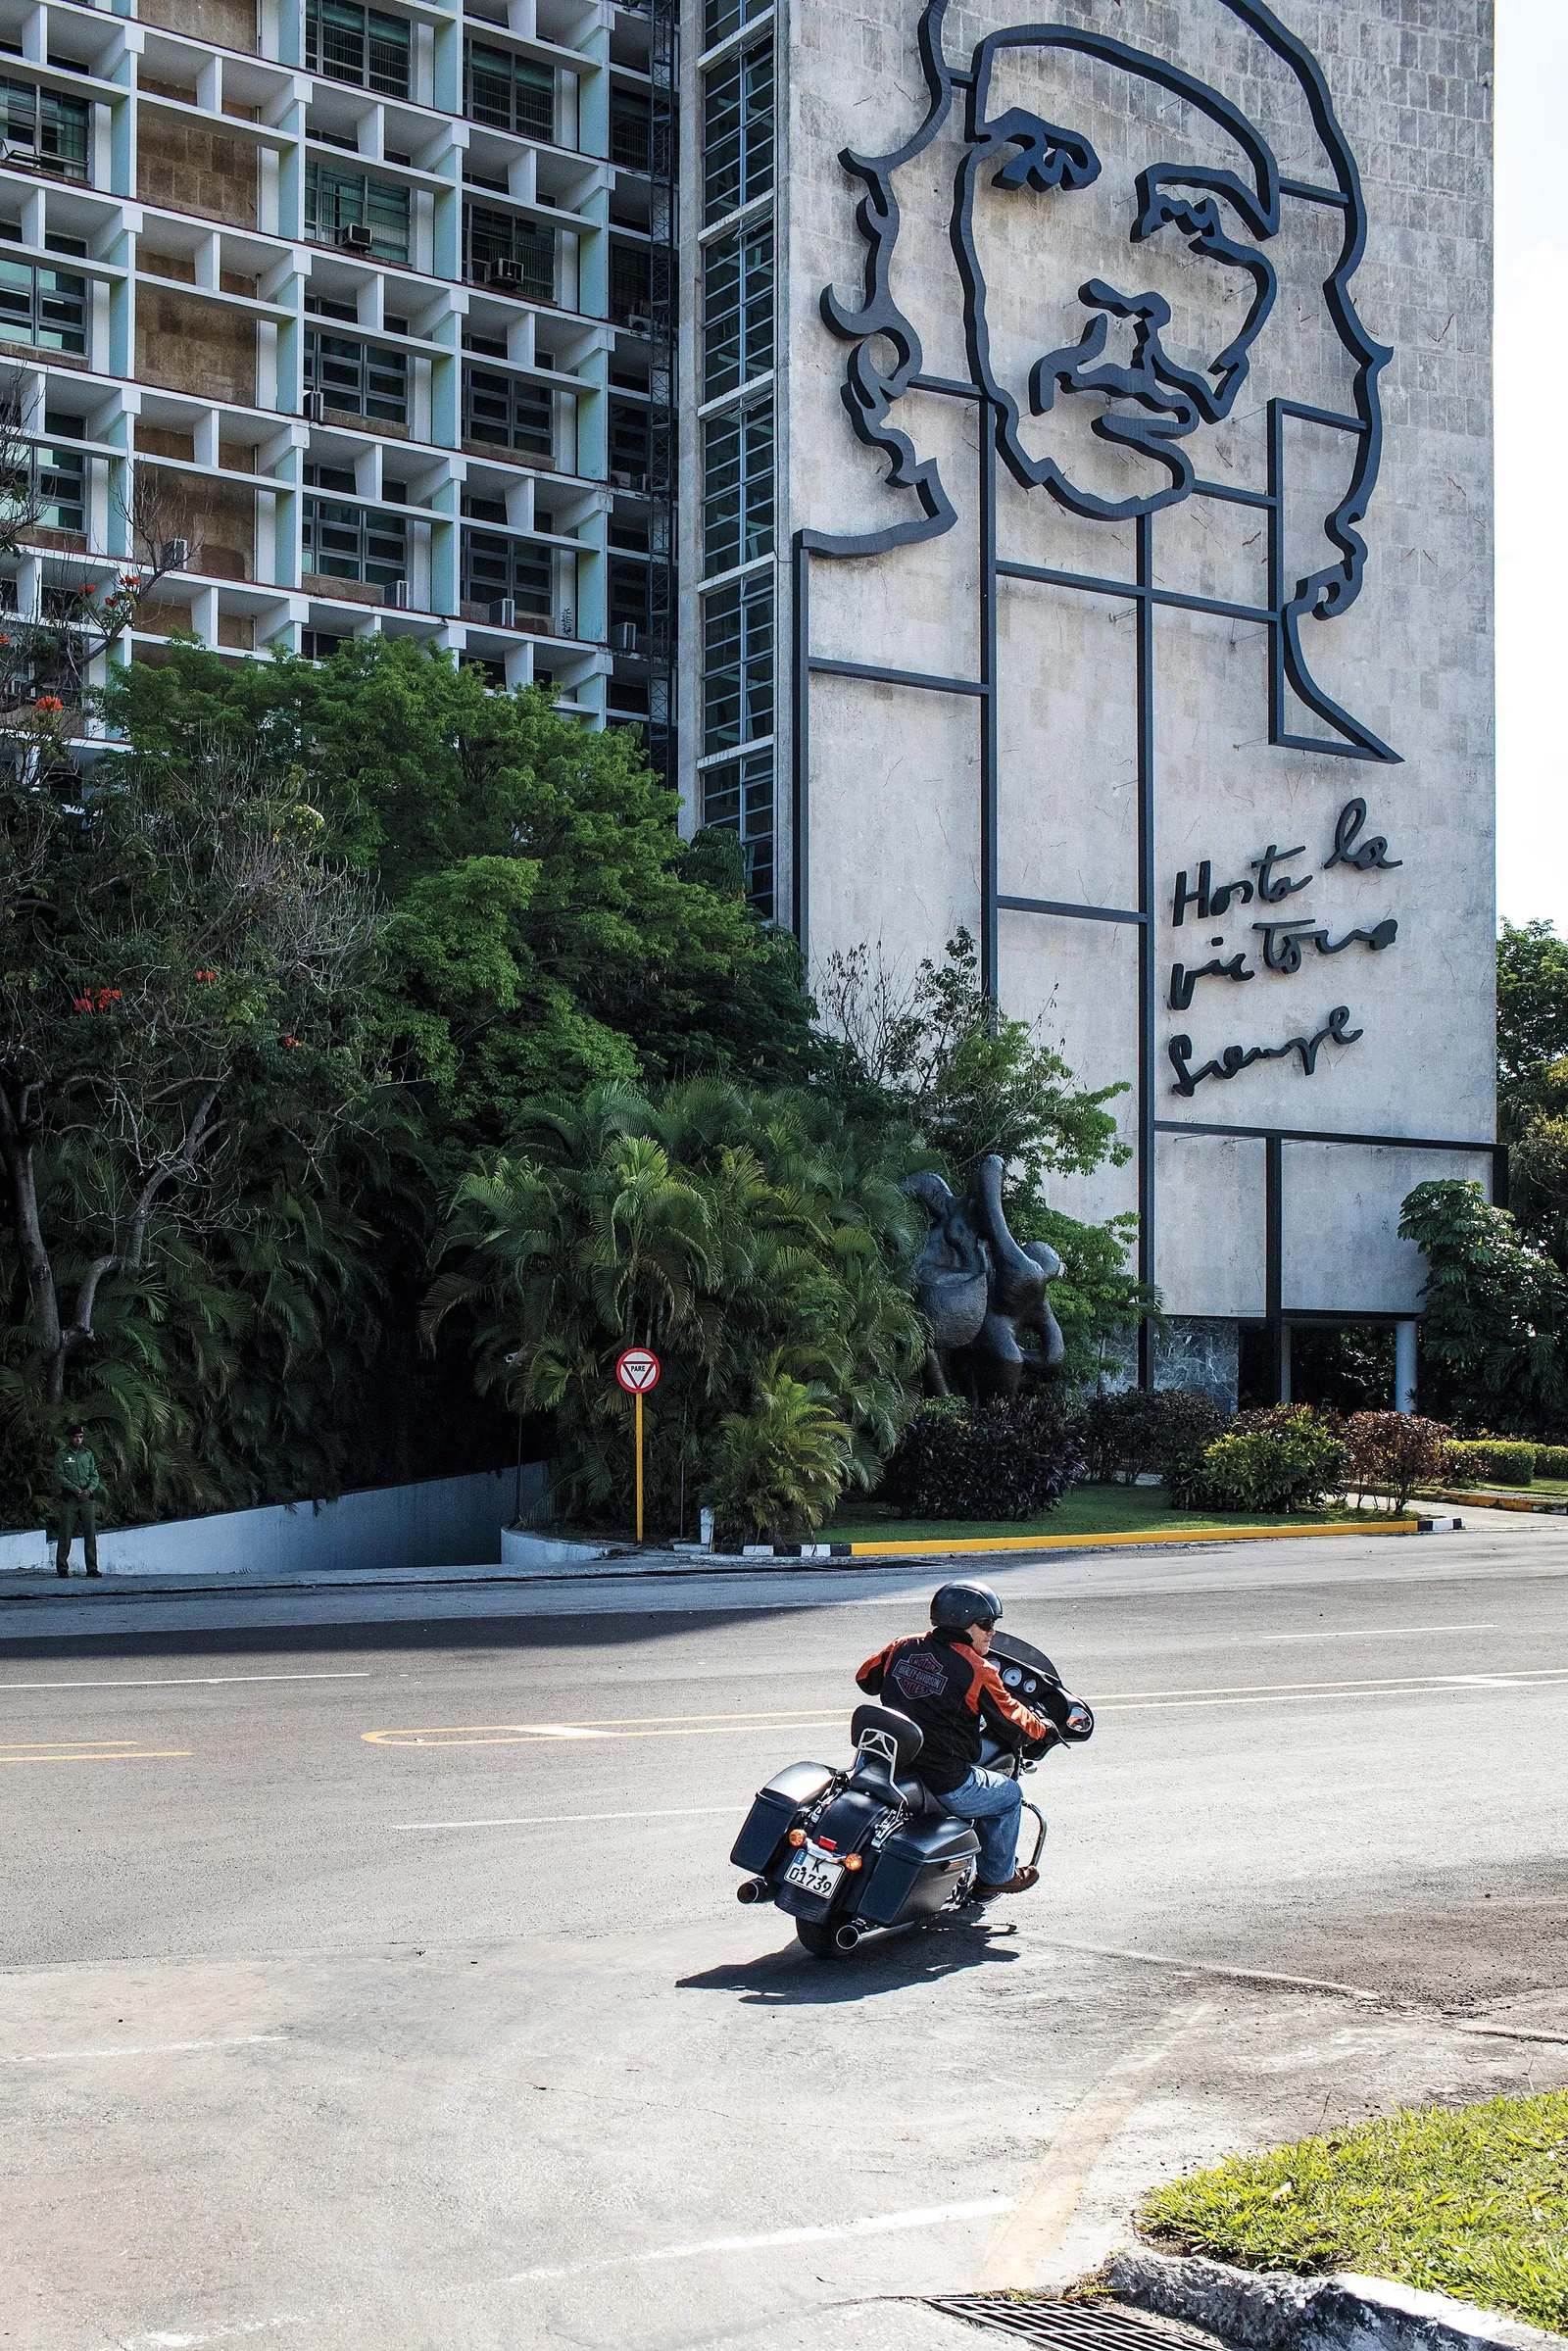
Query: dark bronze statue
point(979, 1289)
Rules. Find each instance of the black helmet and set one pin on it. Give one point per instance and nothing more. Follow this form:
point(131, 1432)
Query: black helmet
point(957, 1606)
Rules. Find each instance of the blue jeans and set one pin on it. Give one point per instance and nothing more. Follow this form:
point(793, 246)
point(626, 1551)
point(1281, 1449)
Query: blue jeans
point(994, 1803)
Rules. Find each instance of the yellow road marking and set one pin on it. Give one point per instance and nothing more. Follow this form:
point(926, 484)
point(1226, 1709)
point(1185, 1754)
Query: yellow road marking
point(1132, 1701)
point(96, 1750)
point(939, 1545)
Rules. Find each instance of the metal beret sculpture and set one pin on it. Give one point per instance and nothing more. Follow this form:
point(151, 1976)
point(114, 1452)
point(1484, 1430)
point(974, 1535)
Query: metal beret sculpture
point(979, 1288)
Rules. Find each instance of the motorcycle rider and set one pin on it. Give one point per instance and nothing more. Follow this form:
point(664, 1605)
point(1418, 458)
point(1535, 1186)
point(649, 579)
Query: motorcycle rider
point(941, 1680)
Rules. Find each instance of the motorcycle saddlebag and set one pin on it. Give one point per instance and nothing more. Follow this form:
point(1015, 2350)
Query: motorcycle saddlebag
point(772, 1811)
point(915, 1870)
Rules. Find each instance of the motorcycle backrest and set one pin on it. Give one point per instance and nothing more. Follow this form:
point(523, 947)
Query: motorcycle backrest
point(886, 1746)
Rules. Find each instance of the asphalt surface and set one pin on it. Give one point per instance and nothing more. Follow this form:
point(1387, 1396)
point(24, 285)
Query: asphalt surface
point(371, 1977)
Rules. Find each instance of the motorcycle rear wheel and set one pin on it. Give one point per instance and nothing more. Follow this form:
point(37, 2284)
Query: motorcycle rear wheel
point(819, 1940)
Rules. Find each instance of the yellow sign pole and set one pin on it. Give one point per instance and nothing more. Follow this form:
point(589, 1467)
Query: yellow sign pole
point(639, 1465)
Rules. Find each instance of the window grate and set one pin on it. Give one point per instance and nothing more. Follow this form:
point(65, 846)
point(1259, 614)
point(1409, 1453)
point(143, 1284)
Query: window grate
point(51, 129)
point(507, 413)
point(738, 487)
point(47, 307)
point(337, 200)
point(738, 131)
point(737, 310)
point(361, 45)
point(344, 542)
point(738, 662)
point(738, 796)
point(357, 377)
point(510, 93)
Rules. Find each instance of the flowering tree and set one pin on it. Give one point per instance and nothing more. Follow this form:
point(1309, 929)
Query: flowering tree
point(177, 974)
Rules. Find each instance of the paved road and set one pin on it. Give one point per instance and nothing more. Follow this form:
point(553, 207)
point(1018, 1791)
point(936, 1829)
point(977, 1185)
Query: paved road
point(378, 1985)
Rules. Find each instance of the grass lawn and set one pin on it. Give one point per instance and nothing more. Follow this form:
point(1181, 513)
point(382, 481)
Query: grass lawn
point(1085, 1510)
point(1471, 2202)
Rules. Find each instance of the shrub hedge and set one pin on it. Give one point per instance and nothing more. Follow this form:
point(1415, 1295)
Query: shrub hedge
point(1007, 1461)
point(1552, 1461)
point(1139, 1431)
point(1283, 1460)
point(1489, 1461)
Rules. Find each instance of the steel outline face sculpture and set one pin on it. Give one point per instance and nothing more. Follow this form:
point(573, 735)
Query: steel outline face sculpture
point(1154, 406)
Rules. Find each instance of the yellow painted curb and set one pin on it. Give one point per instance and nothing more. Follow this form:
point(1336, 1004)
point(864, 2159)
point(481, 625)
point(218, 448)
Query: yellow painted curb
point(1082, 1543)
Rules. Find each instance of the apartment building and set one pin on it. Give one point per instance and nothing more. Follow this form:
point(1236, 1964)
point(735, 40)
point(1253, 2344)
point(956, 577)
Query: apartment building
point(351, 319)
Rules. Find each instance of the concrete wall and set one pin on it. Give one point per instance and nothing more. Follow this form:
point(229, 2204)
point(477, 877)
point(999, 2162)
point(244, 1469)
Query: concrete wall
point(894, 773)
point(443, 1522)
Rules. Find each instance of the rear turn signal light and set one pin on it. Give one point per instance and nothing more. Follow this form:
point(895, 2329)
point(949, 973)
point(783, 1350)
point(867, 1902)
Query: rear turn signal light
point(796, 1837)
point(853, 1861)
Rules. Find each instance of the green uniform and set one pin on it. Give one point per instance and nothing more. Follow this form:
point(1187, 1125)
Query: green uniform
point(77, 1485)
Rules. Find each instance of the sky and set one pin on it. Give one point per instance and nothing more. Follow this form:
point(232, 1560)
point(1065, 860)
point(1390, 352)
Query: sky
point(1532, 374)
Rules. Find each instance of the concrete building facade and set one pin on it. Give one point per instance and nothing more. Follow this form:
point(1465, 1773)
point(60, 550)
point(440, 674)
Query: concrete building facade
point(1090, 549)
point(1030, 477)
point(369, 305)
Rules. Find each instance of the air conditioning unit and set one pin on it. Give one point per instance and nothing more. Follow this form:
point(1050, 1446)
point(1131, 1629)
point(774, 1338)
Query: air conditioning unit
point(623, 636)
point(638, 325)
point(175, 556)
point(395, 596)
point(507, 273)
point(312, 406)
point(354, 238)
point(504, 613)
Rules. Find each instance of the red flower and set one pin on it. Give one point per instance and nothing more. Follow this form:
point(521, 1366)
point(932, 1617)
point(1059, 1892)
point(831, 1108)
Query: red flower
point(50, 701)
point(81, 1003)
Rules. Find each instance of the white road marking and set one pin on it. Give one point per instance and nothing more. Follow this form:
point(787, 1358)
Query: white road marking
point(569, 1820)
point(189, 1682)
point(1202, 1967)
point(1357, 1632)
point(931, 2216)
point(166, 2048)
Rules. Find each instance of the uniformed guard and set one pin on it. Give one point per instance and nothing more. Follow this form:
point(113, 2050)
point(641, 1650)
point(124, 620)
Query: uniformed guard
point(78, 1486)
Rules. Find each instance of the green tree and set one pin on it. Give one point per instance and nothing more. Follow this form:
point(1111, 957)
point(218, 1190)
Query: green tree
point(746, 1237)
point(1531, 1008)
point(183, 962)
point(1495, 1314)
point(549, 929)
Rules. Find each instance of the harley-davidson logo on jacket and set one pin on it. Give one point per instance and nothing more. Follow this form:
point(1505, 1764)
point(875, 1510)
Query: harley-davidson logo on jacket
point(951, 1691)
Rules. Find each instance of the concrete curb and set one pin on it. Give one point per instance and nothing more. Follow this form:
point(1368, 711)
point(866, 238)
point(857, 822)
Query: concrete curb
point(1270, 2309)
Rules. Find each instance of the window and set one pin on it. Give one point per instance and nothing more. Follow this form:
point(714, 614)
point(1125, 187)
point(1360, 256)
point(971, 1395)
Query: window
point(738, 487)
point(631, 283)
point(738, 663)
point(630, 130)
point(723, 16)
point(738, 131)
point(336, 200)
point(357, 44)
point(494, 567)
point(357, 377)
point(52, 130)
point(629, 445)
point(737, 310)
point(347, 543)
point(628, 593)
point(47, 307)
point(511, 93)
point(507, 413)
point(517, 257)
point(60, 488)
point(738, 794)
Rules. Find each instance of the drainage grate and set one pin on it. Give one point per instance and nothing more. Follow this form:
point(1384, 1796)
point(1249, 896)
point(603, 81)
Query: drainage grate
point(1066, 2325)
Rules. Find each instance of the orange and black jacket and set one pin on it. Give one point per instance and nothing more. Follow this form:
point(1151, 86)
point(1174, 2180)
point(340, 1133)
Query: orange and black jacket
point(953, 1693)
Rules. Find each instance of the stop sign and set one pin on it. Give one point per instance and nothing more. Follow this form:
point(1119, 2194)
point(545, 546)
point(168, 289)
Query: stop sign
point(638, 1371)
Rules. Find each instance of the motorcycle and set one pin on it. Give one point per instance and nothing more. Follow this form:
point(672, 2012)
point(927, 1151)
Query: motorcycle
point(870, 1850)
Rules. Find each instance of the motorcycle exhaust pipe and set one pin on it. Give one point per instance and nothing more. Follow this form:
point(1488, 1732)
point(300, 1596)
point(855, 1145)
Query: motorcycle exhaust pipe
point(754, 1889)
point(847, 1937)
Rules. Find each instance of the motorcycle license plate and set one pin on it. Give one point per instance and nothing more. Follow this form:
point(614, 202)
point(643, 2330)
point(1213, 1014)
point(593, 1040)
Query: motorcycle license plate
point(816, 1874)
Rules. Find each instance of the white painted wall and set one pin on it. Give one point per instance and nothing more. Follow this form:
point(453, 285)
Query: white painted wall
point(443, 1522)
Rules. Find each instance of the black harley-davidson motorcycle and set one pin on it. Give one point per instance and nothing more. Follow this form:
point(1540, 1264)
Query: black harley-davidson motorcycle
point(868, 1849)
